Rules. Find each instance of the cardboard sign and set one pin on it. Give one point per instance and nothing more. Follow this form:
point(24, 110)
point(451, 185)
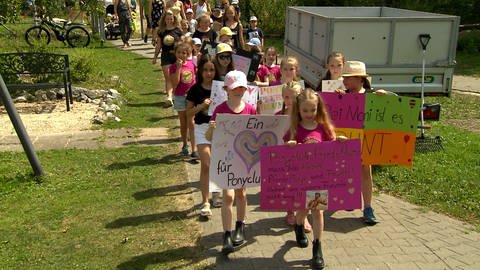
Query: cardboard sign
point(247, 62)
point(332, 85)
point(271, 99)
point(322, 176)
point(219, 95)
point(235, 149)
point(385, 124)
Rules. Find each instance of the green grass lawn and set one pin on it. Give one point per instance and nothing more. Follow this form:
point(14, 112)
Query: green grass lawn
point(127, 208)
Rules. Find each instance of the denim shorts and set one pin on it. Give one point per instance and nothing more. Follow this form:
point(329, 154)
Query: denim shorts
point(180, 103)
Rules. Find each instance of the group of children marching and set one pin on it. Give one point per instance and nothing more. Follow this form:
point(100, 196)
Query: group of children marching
point(189, 75)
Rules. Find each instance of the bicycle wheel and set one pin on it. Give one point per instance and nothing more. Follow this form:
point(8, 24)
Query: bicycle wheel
point(37, 35)
point(77, 36)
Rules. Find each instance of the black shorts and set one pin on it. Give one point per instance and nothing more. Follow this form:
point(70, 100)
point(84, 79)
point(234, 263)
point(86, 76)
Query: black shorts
point(167, 58)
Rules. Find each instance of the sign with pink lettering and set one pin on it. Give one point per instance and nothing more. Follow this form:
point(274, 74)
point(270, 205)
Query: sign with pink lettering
point(386, 124)
point(236, 144)
point(324, 175)
point(346, 111)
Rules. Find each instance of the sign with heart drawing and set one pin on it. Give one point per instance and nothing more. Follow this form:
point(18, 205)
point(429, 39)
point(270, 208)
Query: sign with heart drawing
point(236, 146)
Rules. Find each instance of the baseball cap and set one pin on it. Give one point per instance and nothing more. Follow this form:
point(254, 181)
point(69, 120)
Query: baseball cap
point(189, 10)
point(225, 31)
point(223, 47)
point(234, 2)
point(253, 18)
point(234, 79)
point(196, 41)
point(254, 42)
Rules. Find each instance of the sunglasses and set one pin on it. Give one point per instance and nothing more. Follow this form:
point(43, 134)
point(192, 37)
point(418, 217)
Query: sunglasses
point(225, 57)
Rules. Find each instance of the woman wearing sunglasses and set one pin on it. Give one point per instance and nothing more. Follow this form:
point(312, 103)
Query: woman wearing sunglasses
point(223, 61)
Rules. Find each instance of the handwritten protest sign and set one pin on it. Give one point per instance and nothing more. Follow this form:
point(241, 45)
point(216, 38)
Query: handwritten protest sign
point(271, 99)
point(235, 152)
point(385, 124)
point(332, 85)
point(347, 111)
point(324, 175)
point(219, 95)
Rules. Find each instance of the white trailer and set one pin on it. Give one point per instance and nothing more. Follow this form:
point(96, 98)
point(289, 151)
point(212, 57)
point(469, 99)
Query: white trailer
point(386, 39)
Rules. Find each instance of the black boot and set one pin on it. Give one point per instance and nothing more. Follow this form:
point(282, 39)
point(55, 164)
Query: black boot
point(227, 243)
point(239, 234)
point(300, 235)
point(317, 259)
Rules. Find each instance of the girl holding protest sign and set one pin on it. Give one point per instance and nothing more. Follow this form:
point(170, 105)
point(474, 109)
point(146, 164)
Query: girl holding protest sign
point(334, 66)
point(198, 101)
point(310, 123)
point(355, 81)
point(235, 85)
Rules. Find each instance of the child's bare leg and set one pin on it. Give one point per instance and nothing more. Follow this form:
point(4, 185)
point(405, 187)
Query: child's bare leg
point(168, 83)
point(241, 197)
point(204, 152)
point(367, 185)
point(228, 196)
point(183, 126)
point(318, 224)
point(191, 132)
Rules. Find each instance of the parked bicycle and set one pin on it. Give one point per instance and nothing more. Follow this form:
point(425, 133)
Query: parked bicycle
point(75, 35)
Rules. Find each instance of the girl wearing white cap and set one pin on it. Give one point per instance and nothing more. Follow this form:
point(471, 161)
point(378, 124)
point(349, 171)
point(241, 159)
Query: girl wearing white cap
point(235, 85)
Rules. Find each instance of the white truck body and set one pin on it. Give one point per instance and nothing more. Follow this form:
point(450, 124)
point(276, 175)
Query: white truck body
point(386, 39)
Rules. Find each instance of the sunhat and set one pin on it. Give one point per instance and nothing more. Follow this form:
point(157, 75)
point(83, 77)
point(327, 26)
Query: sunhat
point(234, 79)
point(225, 31)
point(354, 68)
point(224, 47)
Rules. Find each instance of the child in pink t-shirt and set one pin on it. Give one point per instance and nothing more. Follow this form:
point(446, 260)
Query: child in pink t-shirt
point(310, 124)
point(235, 85)
point(182, 75)
point(274, 73)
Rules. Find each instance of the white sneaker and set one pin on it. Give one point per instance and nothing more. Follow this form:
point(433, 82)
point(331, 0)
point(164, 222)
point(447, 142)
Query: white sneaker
point(205, 211)
point(217, 200)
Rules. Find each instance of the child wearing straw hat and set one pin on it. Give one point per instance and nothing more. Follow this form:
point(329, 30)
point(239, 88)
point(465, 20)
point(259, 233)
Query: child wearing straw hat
point(355, 79)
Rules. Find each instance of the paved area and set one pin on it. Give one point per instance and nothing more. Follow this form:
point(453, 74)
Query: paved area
point(407, 237)
point(89, 139)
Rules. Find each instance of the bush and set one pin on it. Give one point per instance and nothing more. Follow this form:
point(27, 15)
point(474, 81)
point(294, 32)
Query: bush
point(82, 64)
point(469, 41)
